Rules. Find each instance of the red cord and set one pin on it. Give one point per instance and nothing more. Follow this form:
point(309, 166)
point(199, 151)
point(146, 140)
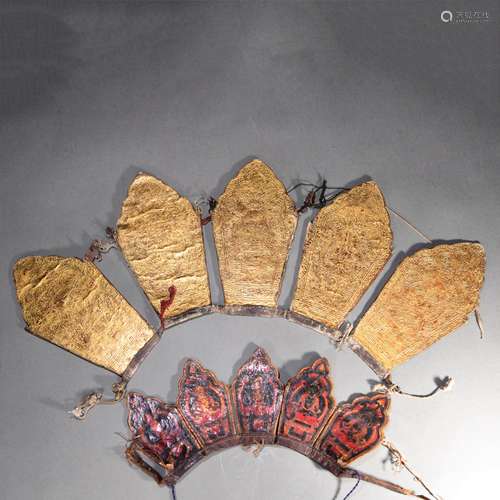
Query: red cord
point(166, 303)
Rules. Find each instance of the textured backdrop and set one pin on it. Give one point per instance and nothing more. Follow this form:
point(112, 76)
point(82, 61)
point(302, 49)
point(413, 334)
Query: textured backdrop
point(90, 93)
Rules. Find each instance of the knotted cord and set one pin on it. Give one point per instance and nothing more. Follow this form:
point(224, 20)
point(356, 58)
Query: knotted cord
point(387, 385)
point(93, 399)
point(254, 448)
point(398, 462)
point(317, 197)
point(339, 336)
point(98, 247)
point(211, 202)
point(310, 202)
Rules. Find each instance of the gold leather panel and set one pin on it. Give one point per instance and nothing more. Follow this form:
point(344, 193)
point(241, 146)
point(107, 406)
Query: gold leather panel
point(347, 245)
point(71, 304)
point(159, 232)
point(429, 295)
point(253, 224)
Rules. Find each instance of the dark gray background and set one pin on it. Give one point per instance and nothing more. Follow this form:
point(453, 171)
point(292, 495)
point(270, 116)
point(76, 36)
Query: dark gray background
point(90, 93)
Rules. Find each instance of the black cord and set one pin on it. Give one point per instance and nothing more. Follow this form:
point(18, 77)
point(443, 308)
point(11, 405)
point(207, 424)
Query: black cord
point(300, 184)
point(315, 186)
point(354, 487)
point(172, 489)
point(317, 196)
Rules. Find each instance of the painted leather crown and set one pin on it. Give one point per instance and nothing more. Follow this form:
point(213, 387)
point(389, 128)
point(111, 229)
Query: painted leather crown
point(209, 415)
point(70, 303)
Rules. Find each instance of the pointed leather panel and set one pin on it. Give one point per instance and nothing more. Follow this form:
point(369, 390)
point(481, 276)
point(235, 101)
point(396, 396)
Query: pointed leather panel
point(346, 247)
point(71, 304)
point(204, 403)
point(307, 402)
point(159, 232)
point(174, 437)
point(257, 395)
point(429, 295)
point(356, 427)
point(253, 224)
point(161, 430)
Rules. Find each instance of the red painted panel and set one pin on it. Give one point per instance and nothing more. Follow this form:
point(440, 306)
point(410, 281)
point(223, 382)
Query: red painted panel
point(307, 402)
point(161, 431)
point(257, 393)
point(355, 427)
point(204, 403)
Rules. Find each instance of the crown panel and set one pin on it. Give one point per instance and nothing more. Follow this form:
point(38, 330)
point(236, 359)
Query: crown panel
point(205, 403)
point(71, 304)
point(429, 295)
point(161, 433)
point(346, 247)
point(257, 395)
point(159, 233)
point(307, 403)
point(174, 438)
point(253, 223)
point(355, 427)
